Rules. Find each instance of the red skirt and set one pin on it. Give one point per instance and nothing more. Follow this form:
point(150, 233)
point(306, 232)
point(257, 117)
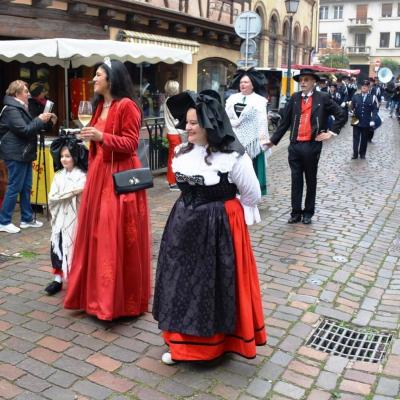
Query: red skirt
point(110, 269)
point(250, 330)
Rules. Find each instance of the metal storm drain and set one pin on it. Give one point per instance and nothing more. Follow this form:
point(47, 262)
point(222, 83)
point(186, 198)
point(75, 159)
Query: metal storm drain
point(4, 258)
point(360, 345)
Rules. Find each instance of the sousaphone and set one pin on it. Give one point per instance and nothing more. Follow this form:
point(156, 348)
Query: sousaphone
point(385, 75)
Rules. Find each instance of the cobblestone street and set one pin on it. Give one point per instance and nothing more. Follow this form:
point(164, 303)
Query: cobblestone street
point(345, 266)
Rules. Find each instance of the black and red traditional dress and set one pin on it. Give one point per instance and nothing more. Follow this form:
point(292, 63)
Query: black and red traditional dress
point(207, 297)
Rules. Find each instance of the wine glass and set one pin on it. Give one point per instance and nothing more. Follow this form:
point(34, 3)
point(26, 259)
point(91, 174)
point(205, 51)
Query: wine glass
point(85, 112)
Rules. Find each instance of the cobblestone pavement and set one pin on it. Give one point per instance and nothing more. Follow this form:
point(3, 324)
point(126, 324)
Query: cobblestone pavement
point(346, 266)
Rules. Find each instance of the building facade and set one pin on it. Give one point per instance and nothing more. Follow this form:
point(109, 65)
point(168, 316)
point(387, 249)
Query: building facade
point(205, 27)
point(274, 38)
point(367, 32)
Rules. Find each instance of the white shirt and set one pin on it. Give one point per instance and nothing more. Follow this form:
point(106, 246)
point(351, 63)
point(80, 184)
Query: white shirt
point(240, 172)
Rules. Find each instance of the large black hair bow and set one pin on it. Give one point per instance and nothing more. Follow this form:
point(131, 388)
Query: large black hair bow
point(211, 116)
point(77, 149)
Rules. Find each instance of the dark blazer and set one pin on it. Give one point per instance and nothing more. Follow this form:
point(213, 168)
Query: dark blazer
point(323, 106)
point(365, 111)
point(18, 132)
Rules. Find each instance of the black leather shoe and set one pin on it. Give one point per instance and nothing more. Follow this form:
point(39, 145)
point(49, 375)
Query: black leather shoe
point(362, 157)
point(354, 157)
point(306, 220)
point(294, 219)
point(53, 288)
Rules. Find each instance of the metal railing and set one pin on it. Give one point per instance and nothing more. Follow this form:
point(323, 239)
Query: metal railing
point(360, 21)
point(158, 150)
point(359, 50)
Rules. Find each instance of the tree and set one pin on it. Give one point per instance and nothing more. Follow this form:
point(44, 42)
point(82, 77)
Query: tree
point(393, 65)
point(335, 61)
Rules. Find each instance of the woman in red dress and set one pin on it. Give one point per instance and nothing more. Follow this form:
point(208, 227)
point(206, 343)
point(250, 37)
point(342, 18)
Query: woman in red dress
point(110, 270)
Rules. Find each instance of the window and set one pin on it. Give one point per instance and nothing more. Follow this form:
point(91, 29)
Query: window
point(398, 9)
point(323, 12)
point(397, 40)
point(336, 40)
point(387, 9)
point(384, 40)
point(361, 13)
point(322, 40)
point(338, 12)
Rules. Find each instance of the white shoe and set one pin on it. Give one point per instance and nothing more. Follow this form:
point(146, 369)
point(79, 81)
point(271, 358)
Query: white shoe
point(32, 224)
point(167, 359)
point(9, 228)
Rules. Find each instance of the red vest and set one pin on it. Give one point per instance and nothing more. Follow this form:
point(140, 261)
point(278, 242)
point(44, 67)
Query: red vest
point(304, 131)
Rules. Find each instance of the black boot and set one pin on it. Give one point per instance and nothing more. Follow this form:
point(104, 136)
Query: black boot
point(53, 288)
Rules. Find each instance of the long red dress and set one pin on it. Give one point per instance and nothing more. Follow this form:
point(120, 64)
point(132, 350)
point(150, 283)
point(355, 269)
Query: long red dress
point(110, 270)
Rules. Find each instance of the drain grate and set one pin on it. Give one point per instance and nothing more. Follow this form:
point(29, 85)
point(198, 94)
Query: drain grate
point(4, 258)
point(359, 345)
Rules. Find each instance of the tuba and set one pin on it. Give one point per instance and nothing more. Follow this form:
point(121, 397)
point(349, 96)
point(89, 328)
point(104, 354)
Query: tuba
point(385, 75)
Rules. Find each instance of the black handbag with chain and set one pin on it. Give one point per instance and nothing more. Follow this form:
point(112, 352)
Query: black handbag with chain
point(132, 180)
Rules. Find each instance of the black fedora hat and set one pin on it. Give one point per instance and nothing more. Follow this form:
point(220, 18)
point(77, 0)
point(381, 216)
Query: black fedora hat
point(306, 71)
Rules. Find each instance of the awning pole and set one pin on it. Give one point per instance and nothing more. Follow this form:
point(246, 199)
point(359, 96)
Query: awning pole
point(140, 78)
point(66, 96)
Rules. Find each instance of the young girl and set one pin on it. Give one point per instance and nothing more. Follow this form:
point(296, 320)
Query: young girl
point(70, 161)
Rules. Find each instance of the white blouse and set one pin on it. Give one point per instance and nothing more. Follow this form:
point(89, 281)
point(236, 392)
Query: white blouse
point(240, 172)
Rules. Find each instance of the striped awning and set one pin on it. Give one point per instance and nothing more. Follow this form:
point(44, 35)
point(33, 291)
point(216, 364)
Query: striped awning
point(149, 38)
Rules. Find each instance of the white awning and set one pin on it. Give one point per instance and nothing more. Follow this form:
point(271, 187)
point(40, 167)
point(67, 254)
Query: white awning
point(88, 52)
point(37, 51)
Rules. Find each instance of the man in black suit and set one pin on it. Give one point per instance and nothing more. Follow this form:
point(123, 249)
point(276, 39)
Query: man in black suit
point(365, 109)
point(306, 117)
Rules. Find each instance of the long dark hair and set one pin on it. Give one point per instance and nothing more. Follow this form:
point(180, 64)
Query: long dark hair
point(120, 83)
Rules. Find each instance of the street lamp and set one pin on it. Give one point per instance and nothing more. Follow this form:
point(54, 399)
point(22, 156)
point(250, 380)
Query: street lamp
point(291, 9)
point(343, 48)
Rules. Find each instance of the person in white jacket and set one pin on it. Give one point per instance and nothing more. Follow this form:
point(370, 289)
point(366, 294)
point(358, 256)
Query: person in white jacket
point(247, 111)
point(70, 162)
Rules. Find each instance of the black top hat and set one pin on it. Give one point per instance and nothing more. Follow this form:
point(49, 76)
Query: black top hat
point(306, 71)
point(211, 116)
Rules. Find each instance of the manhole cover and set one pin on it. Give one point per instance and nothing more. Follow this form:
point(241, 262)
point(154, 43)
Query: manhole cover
point(359, 345)
point(340, 259)
point(4, 258)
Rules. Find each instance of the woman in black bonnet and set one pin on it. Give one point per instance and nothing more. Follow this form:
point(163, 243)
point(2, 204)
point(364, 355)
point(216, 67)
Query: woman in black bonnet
point(207, 297)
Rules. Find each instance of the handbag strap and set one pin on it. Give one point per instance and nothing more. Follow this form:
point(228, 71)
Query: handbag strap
point(112, 153)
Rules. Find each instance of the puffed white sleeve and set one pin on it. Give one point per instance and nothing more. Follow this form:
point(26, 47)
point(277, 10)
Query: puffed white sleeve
point(244, 177)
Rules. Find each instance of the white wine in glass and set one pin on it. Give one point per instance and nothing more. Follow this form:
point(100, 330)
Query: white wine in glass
point(85, 112)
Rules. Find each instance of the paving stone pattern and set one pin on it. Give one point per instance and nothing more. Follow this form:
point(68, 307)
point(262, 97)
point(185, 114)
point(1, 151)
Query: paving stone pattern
point(345, 265)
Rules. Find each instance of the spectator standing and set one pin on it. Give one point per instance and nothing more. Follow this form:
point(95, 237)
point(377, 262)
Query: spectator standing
point(70, 158)
point(18, 146)
point(110, 269)
point(173, 134)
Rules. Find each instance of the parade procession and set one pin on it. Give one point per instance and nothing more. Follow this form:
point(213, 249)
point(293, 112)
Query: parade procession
point(199, 200)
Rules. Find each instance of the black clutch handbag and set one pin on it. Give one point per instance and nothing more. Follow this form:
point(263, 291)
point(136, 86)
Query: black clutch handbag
point(132, 180)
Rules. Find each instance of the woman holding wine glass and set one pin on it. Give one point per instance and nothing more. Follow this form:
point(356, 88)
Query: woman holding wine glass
point(110, 269)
